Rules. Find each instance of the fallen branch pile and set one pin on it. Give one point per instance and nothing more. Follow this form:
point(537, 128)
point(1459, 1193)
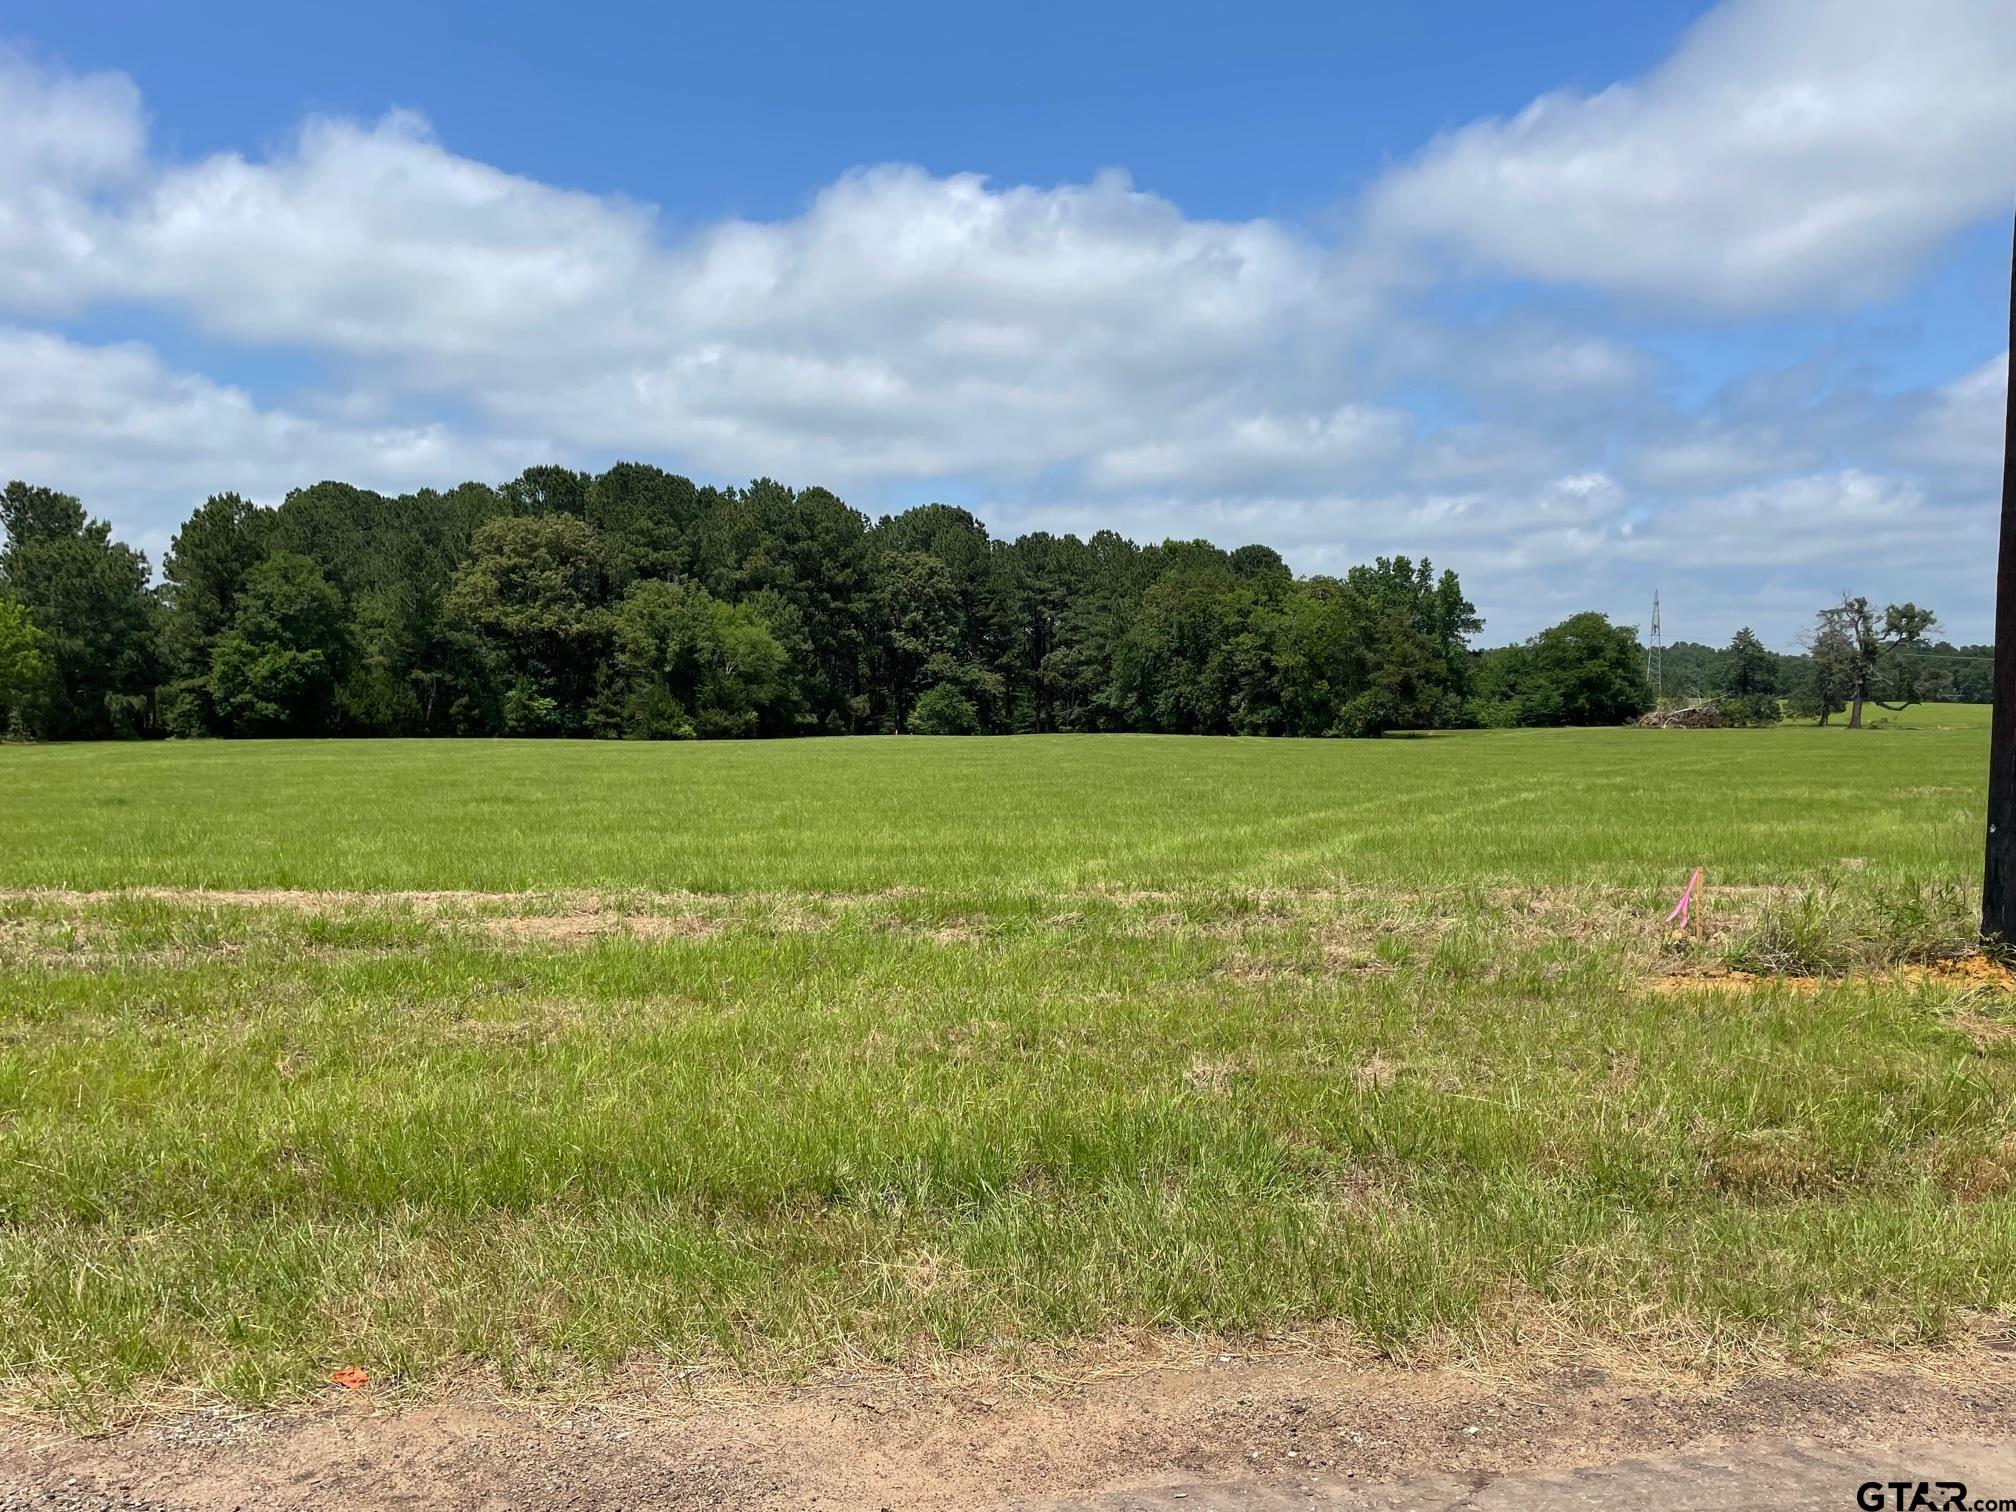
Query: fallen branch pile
point(1693, 716)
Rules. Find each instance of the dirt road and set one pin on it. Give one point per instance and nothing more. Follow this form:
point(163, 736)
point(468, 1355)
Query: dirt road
point(1221, 1434)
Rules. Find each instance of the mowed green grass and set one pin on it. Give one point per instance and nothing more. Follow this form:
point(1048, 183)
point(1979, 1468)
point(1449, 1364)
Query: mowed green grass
point(772, 1056)
point(994, 817)
point(1932, 716)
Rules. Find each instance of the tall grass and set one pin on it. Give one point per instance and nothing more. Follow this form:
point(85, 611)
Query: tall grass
point(980, 1045)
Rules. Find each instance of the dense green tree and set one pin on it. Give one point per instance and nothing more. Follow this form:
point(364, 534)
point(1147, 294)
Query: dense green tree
point(646, 517)
point(87, 596)
point(1583, 671)
point(1043, 576)
point(410, 671)
point(202, 577)
point(967, 632)
point(816, 580)
point(1349, 665)
point(1967, 672)
point(1322, 654)
point(347, 532)
point(1747, 669)
point(24, 671)
point(1433, 607)
point(689, 665)
point(1173, 670)
point(532, 605)
point(1878, 658)
point(1259, 564)
point(1746, 681)
point(550, 490)
point(1689, 669)
point(634, 602)
point(943, 710)
point(921, 636)
point(1408, 683)
point(1819, 691)
point(1100, 583)
point(276, 669)
point(406, 661)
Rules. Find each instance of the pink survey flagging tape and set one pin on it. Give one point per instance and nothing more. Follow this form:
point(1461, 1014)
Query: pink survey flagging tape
point(1686, 903)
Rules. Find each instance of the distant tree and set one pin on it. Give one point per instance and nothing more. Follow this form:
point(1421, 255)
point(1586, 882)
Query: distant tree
point(1747, 669)
point(409, 667)
point(1097, 587)
point(531, 603)
point(1434, 607)
point(634, 602)
point(1877, 658)
point(646, 517)
point(1175, 670)
point(803, 562)
point(275, 671)
point(87, 595)
point(1345, 664)
point(23, 669)
point(1496, 678)
point(1407, 686)
point(350, 533)
point(943, 710)
point(691, 666)
point(201, 579)
point(1819, 690)
point(943, 608)
point(1320, 643)
point(923, 632)
point(1583, 671)
point(1689, 669)
point(550, 490)
point(1746, 681)
point(1259, 564)
point(1967, 671)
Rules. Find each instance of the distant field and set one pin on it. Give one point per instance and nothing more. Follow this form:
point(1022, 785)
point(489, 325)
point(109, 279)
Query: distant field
point(994, 817)
point(1935, 716)
point(546, 1058)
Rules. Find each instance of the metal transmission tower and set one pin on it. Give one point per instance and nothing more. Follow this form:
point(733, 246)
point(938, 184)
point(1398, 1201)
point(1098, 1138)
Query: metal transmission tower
point(1654, 672)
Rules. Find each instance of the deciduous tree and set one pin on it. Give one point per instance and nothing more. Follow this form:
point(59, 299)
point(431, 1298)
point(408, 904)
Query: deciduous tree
point(23, 670)
point(201, 579)
point(690, 665)
point(276, 670)
point(88, 597)
point(532, 602)
point(1877, 657)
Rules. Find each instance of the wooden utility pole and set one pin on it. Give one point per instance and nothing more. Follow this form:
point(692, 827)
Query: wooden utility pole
point(1998, 879)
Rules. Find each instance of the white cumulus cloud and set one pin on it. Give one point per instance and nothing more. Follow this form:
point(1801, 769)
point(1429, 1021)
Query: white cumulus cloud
point(1805, 152)
point(1073, 355)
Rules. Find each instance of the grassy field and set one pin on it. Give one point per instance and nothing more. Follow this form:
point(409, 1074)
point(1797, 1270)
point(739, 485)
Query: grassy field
point(1929, 716)
point(1933, 717)
point(1000, 818)
point(548, 1057)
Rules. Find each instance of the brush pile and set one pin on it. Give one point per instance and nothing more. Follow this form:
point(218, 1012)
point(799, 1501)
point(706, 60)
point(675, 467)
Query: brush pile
point(1689, 716)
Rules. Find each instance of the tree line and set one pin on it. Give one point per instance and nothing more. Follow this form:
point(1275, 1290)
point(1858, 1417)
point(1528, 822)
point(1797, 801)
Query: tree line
point(1855, 655)
point(635, 603)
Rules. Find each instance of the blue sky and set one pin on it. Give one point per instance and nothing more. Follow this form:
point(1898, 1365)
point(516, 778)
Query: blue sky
point(1580, 299)
point(706, 111)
